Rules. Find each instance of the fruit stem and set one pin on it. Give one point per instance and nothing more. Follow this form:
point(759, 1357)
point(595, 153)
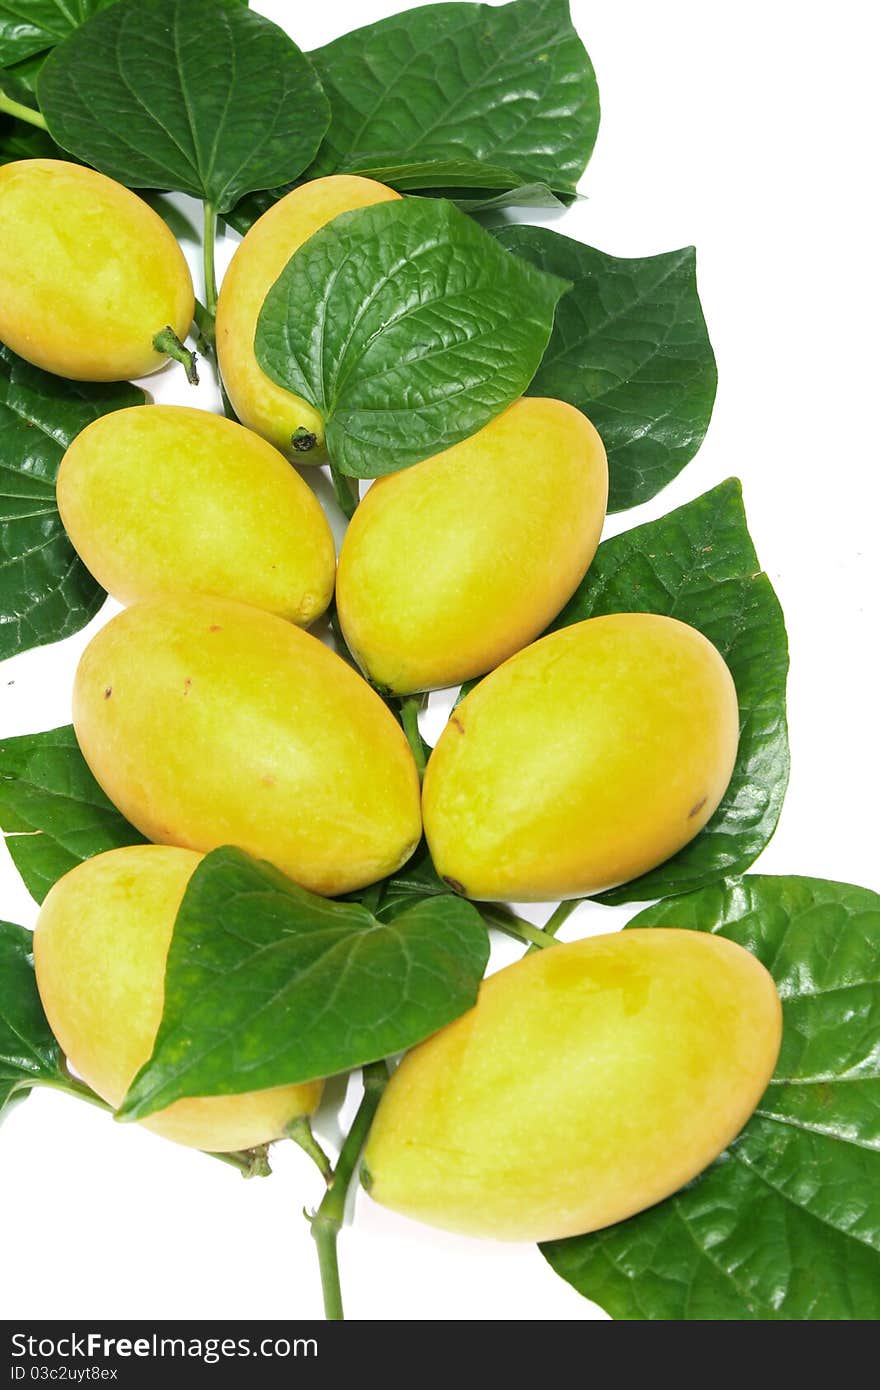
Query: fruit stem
point(409, 717)
point(514, 926)
point(250, 1162)
point(168, 342)
point(346, 490)
point(559, 917)
point(209, 238)
point(204, 324)
point(328, 1219)
point(300, 1131)
point(21, 113)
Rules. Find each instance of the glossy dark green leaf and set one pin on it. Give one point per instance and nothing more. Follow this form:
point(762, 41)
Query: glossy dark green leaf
point(52, 811)
point(268, 985)
point(407, 327)
point(28, 1051)
point(786, 1224)
point(45, 591)
point(19, 80)
point(200, 96)
point(698, 564)
point(631, 350)
point(470, 197)
point(33, 26)
point(509, 86)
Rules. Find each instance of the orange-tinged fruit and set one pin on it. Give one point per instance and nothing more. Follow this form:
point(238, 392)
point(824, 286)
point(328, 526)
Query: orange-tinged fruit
point(89, 274)
point(100, 948)
point(162, 500)
point(585, 760)
point(451, 566)
point(590, 1081)
point(259, 403)
point(210, 723)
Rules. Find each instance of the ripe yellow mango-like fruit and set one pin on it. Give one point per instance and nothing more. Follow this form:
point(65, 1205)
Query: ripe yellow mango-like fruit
point(589, 1082)
point(451, 566)
point(89, 274)
point(162, 500)
point(583, 761)
point(100, 947)
point(210, 723)
point(259, 403)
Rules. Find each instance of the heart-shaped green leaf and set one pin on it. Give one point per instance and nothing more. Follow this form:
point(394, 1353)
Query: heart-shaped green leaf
point(698, 564)
point(785, 1225)
point(52, 811)
point(45, 591)
point(268, 985)
point(508, 85)
point(407, 327)
point(33, 26)
point(199, 96)
point(631, 350)
point(28, 1051)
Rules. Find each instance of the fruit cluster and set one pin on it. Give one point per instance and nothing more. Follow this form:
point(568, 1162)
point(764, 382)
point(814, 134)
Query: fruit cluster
point(588, 1082)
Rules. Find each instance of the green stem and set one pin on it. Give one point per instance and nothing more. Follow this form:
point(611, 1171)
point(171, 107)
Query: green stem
point(204, 334)
point(72, 1087)
point(300, 1131)
point(346, 490)
point(21, 113)
point(251, 1162)
point(409, 715)
point(560, 915)
point(513, 926)
point(209, 238)
point(335, 625)
point(168, 342)
point(328, 1219)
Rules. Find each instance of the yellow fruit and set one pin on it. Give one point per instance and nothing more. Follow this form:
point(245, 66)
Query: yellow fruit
point(89, 274)
point(261, 405)
point(583, 761)
point(209, 723)
point(589, 1082)
point(451, 566)
point(162, 500)
point(99, 949)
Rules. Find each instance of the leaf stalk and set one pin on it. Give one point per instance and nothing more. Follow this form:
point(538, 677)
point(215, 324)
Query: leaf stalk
point(20, 112)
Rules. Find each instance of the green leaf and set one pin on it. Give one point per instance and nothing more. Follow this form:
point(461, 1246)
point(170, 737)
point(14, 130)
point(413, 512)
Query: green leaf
point(198, 96)
point(268, 985)
point(407, 327)
point(52, 811)
point(417, 880)
point(510, 86)
point(18, 140)
point(45, 591)
point(427, 181)
point(28, 1051)
point(698, 564)
point(32, 26)
point(631, 350)
point(786, 1224)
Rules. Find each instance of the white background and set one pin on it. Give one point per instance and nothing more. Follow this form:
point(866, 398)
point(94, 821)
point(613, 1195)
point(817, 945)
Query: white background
point(746, 130)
